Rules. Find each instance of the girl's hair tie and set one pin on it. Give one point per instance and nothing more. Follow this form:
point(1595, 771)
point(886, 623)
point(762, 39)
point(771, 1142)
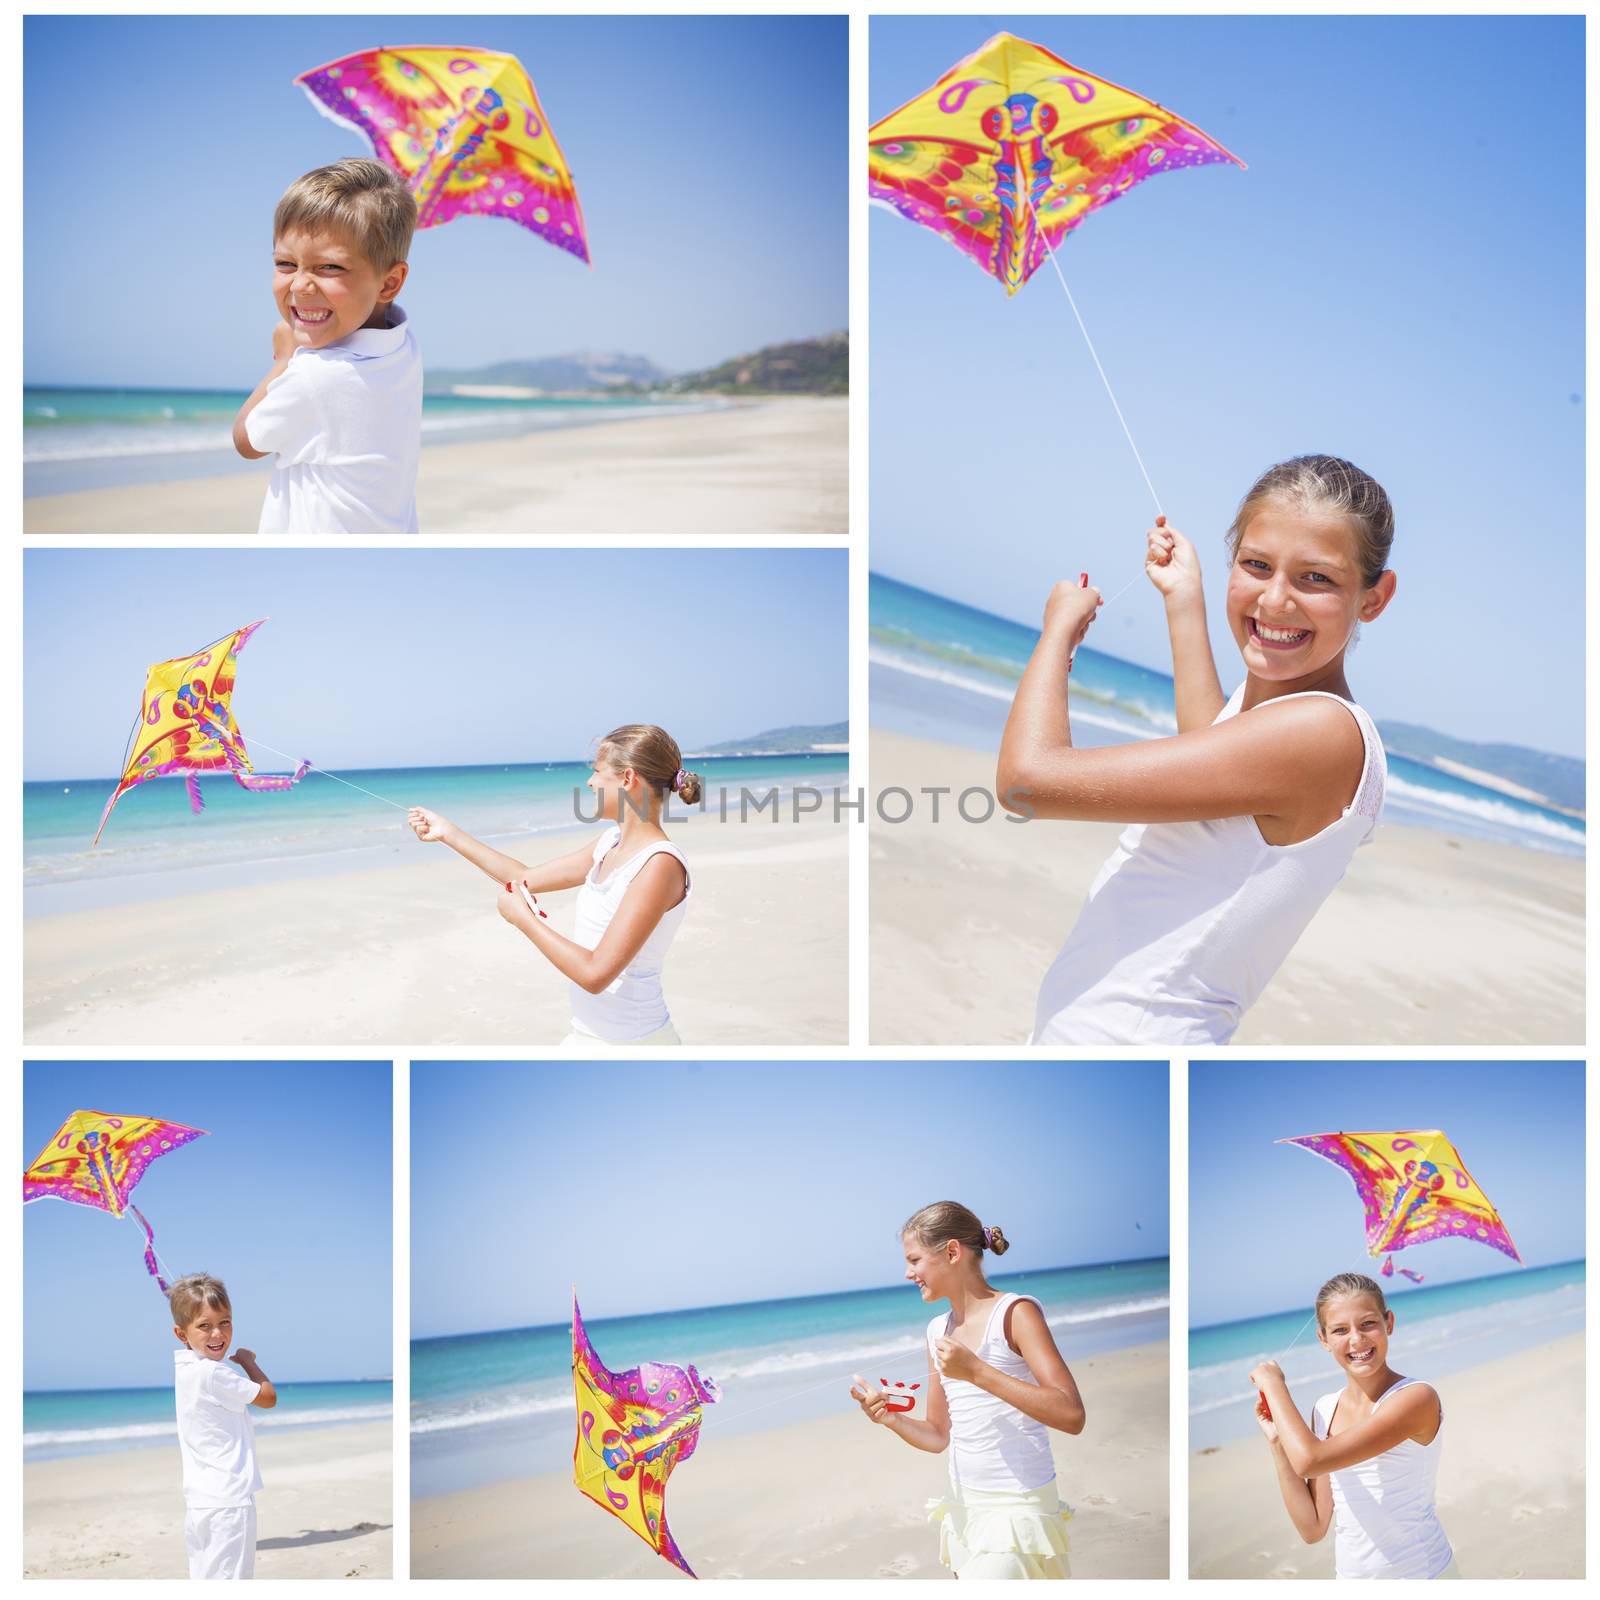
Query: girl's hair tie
point(988, 1239)
point(677, 782)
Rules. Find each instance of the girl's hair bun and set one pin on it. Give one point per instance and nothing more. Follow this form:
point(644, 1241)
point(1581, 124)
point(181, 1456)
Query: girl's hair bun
point(690, 788)
point(944, 1220)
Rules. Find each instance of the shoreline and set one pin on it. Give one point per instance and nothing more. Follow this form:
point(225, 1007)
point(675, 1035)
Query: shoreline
point(326, 1511)
point(417, 953)
point(1511, 1487)
point(770, 465)
point(840, 1499)
point(1425, 942)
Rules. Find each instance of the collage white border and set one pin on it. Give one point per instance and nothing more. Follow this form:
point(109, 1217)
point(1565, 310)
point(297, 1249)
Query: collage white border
point(858, 1050)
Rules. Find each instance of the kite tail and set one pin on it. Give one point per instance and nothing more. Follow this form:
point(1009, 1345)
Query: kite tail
point(151, 1260)
point(271, 782)
point(1388, 1270)
point(197, 802)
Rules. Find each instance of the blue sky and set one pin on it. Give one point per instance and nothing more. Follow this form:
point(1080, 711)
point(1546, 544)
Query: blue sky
point(435, 657)
point(289, 1199)
point(662, 1187)
point(710, 155)
point(1268, 1223)
point(1397, 278)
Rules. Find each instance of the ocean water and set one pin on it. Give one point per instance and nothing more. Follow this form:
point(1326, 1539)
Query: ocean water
point(155, 846)
point(103, 438)
point(77, 1422)
point(942, 670)
point(498, 1405)
point(1438, 1330)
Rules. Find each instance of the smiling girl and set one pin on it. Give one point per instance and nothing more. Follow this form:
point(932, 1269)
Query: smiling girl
point(633, 889)
point(1247, 818)
point(999, 1384)
point(1369, 1462)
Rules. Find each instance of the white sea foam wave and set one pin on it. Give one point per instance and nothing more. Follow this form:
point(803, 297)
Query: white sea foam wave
point(1083, 710)
point(168, 1428)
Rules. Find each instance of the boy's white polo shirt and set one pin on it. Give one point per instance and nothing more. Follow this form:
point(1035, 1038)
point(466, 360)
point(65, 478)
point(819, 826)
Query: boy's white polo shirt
point(345, 423)
point(215, 1433)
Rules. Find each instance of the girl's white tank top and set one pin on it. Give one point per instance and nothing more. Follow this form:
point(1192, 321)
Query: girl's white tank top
point(1187, 921)
point(993, 1446)
point(632, 1005)
point(1384, 1522)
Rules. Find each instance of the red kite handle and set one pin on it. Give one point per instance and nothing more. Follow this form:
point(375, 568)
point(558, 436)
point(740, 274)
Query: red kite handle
point(1083, 583)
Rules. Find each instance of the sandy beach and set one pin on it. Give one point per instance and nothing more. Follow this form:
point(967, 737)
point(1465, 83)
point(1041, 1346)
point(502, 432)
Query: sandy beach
point(327, 1510)
point(1511, 1480)
point(848, 1501)
point(770, 466)
point(416, 953)
point(1429, 940)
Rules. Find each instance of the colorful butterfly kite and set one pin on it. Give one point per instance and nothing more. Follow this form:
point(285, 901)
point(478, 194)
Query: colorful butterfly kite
point(464, 127)
point(186, 727)
point(634, 1427)
point(96, 1159)
point(1414, 1188)
point(1014, 138)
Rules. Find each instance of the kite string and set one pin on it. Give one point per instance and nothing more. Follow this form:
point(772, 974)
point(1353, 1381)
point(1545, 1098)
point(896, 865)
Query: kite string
point(257, 740)
point(1094, 355)
point(149, 1241)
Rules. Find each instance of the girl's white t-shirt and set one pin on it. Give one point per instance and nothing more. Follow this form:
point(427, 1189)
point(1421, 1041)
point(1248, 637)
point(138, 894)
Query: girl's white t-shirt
point(1384, 1522)
point(345, 425)
point(632, 1006)
point(1187, 921)
point(993, 1446)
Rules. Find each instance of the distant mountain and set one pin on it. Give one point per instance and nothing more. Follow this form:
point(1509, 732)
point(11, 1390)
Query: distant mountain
point(582, 372)
point(1559, 780)
point(830, 736)
point(804, 366)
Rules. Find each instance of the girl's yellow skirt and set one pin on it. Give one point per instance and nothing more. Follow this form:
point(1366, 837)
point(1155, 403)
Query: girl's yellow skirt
point(995, 1534)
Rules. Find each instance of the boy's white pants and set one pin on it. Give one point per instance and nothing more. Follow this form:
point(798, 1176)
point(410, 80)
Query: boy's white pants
point(221, 1541)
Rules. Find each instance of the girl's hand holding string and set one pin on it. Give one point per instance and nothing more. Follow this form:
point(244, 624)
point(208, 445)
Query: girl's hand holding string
point(957, 1361)
point(1172, 563)
point(873, 1401)
point(1069, 611)
point(1265, 1373)
point(429, 826)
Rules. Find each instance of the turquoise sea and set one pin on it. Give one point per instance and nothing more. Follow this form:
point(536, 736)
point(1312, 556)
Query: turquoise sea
point(1438, 1329)
point(154, 845)
point(103, 438)
point(941, 670)
point(499, 1405)
point(76, 1422)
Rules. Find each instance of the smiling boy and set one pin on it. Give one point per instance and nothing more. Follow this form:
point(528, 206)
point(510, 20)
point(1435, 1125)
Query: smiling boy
point(215, 1436)
point(341, 409)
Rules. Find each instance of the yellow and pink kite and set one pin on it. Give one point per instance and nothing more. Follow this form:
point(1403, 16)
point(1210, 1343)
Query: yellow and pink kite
point(186, 727)
point(1414, 1187)
point(96, 1159)
point(1014, 147)
point(634, 1427)
point(464, 127)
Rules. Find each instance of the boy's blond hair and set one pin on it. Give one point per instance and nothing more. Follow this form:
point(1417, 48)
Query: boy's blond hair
point(188, 1296)
point(358, 197)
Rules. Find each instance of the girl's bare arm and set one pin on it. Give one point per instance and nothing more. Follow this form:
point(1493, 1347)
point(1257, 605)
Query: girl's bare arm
point(1414, 1411)
point(1053, 1400)
point(1295, 760)
point(1174, 568)
point(659, 886)
point(561, 872)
